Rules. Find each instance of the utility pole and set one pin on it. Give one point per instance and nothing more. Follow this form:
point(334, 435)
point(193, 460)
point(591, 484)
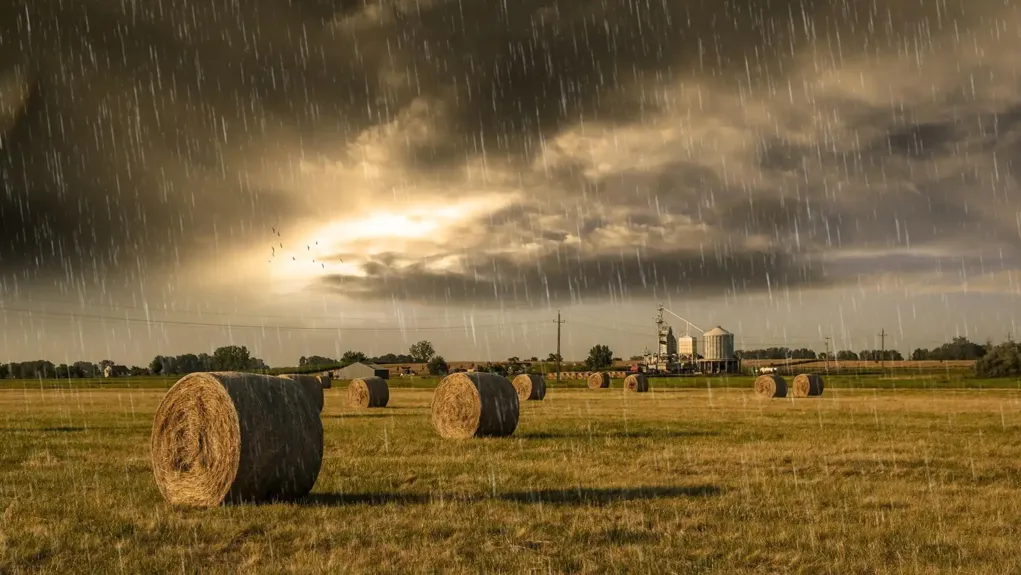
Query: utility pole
point(559, 322)
point(882, 344)
point(827, 339)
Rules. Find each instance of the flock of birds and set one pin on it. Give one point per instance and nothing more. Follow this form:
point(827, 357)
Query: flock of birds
point(273, 249)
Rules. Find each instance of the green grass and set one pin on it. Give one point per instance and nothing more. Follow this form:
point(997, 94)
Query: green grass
point(896, 379)
point(676, 480)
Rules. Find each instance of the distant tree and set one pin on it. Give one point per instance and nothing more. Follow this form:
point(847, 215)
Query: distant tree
point(639, 358)
point(62, 371)
point(960, 348)
point(880, 355)
point(187, 363)
point(599, 357)
point(5, 370)
point(392, 358)
point(847, 355)
point(105, 364)
point(80, 369)
point(422, 351)
point(1003, 360)
point(438, 366)
point(350, 357)
point(302, 361)
point(553, 358)
point(533, 359)
point(920, 354)
point(231, 358)
point(205, 362)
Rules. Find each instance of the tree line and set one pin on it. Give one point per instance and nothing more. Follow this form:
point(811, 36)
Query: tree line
point(239, 358)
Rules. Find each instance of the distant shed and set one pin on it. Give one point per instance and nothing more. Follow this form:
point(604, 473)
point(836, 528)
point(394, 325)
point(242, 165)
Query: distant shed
point(360, 369)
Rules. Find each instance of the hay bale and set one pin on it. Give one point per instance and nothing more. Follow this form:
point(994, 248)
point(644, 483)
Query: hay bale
point(325, 380)
point(312, 386)
point(235, 437)
point(770, 385)
point(636, 382)
point(475, 405)
point(368, 392)
point(529, 387)
point(807, 385)
point(598, 380)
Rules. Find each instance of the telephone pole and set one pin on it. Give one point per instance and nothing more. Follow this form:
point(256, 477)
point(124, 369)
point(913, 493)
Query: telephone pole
point(882, 344)
point(559, 322)
point(827, 340)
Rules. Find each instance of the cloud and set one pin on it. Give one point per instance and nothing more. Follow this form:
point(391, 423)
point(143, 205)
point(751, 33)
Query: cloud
point(580, 150)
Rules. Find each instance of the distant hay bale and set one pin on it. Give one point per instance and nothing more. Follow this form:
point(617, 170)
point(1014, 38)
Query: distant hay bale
point(475, 405)
point(313, 388)
point(325, 380)
point(235, 437)
point(529, 387)
point(770, 385)
point(599, 380)
point(636, 382)
point(368, 392)
point(807, 385)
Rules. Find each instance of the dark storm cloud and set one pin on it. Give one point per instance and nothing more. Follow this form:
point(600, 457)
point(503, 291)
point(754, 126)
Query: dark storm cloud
point(150, 129)
point(568, 277)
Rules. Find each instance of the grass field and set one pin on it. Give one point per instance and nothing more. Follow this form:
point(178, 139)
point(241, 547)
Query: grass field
point(892, 379)
point(676, 480)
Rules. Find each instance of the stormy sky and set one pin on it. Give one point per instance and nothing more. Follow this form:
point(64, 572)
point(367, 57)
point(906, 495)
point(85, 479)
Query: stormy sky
point(310, 176)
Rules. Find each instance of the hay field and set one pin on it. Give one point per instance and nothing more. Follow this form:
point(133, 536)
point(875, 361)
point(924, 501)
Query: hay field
point(692, 481)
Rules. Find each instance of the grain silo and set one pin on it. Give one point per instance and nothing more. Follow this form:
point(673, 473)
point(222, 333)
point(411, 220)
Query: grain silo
point(718, 351)
point(687, 347)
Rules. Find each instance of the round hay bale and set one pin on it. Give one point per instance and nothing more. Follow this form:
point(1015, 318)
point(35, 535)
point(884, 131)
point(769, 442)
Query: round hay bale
point(807, 385)
point(312, 386)
point(235, 437)
point(636, 382)
point(475, 405)
point(770, 385)
point(368, 392)
point(325, 380)
point(529, 387)
point(599, 380)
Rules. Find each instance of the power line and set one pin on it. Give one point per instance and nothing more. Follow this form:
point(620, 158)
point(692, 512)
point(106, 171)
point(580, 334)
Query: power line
point(559, 323)
point(882, 352)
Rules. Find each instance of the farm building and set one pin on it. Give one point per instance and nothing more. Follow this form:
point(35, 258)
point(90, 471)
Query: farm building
point(360, 369)
point(115, 371)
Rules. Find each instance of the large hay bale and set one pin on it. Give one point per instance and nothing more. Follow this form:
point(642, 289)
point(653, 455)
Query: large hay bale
point(235, 437)
point(368, 392)
point(475, 405)
point(599, 380)
point(312, 386)
point(636, 382)
point(325, 380)
point(529, 387)
point(807, 385)
point(770, 385)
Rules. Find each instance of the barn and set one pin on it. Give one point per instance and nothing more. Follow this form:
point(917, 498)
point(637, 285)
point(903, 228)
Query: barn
point(360, 369)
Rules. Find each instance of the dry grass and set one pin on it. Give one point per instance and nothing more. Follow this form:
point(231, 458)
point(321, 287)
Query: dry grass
point(686, 481)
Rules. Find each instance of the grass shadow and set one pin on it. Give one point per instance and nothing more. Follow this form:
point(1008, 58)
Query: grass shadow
point(582, 496)
point(602, 434)
point(61, 429)
point(368, 414)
